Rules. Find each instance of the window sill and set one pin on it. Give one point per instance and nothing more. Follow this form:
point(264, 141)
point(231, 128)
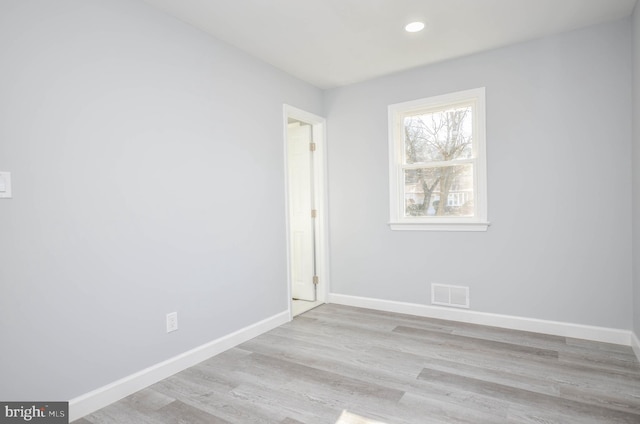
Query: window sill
point(439, 226)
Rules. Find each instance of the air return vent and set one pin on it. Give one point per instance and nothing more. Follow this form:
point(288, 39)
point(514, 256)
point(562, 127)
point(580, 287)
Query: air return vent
point(447, 295)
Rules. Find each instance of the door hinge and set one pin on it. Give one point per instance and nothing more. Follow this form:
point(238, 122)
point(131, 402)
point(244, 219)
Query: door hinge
point(315, 280)
point(314, 213)
point(312, 146)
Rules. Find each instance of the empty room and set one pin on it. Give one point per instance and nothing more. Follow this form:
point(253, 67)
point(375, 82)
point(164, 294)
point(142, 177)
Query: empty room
point(320, 211)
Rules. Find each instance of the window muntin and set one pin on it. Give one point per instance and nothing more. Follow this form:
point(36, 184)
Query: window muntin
point(438, 172)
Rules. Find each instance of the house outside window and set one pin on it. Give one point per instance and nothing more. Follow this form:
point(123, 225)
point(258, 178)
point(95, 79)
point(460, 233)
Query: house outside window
point(437, 163)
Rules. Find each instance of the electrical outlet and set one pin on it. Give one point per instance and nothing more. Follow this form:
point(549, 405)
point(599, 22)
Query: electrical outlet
point(172, 322)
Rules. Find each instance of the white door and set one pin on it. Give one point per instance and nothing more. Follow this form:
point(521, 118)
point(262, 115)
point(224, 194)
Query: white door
point(301, 205)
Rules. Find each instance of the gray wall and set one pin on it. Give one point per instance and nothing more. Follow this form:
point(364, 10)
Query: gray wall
point(147, 161)
point(558, 137)
point(149, 178)
point(636, 168)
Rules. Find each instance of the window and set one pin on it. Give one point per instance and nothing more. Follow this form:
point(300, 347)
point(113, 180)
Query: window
point(437, 159)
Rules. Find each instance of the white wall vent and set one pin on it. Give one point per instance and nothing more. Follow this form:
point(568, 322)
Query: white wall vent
point(447, 295)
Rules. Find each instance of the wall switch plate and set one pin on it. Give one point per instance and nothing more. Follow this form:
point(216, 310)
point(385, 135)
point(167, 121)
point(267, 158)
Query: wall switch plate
point(172, 322)
point(5, 185)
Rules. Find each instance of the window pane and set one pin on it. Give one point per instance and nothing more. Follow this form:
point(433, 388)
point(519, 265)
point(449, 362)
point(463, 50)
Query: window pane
point(443, 191)
point(438, 136)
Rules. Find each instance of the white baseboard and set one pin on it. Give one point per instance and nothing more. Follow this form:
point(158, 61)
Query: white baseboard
point(578, 331)
point(106, 395)
point(635, 344)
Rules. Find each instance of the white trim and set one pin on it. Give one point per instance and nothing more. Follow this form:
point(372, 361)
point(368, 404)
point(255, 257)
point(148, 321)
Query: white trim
point(433, 226)
point(321, 183)
point(396, 114)
point(112, 392)
point(600, 334)
point(635, 344)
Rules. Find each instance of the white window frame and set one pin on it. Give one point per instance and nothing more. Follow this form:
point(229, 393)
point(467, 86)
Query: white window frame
point(397, 112)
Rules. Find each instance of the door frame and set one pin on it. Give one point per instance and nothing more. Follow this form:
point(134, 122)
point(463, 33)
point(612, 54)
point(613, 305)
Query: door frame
point(319, 125)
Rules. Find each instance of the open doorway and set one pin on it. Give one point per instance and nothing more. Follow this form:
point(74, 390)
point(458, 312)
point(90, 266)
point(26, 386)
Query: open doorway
point(306, 212)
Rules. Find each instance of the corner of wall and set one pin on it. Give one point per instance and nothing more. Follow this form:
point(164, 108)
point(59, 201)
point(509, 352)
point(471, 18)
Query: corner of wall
point(635, 22)
point(635, 344)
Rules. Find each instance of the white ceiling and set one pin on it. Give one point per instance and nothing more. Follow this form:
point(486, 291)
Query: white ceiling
point(330, 43)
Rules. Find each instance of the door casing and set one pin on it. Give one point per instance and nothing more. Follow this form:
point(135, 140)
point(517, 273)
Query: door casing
point(318, 124)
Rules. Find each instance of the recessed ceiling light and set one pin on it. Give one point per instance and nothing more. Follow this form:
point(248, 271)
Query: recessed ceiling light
point(414, 27)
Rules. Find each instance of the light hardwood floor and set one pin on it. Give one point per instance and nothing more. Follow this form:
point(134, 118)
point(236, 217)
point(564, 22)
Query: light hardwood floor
point(395, 369)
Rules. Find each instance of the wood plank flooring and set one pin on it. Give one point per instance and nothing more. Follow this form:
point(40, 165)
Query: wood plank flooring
point(395, 369)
